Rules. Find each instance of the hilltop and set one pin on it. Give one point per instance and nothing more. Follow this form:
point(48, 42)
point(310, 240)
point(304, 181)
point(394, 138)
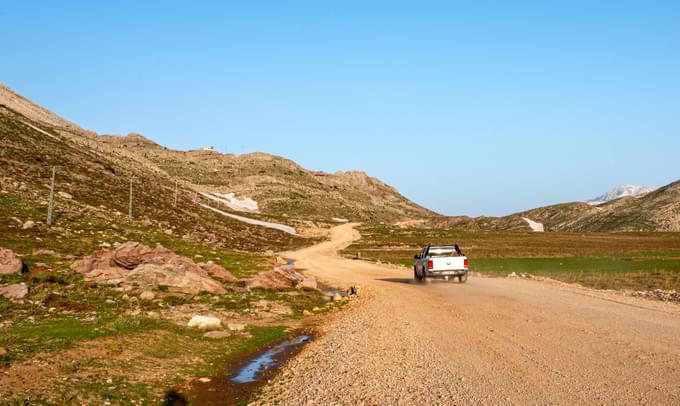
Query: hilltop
point(658, 210)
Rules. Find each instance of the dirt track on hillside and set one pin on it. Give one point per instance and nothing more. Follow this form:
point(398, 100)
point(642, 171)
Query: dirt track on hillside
point(490, 341)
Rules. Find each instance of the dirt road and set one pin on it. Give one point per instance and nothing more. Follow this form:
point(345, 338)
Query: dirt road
point(490, 341)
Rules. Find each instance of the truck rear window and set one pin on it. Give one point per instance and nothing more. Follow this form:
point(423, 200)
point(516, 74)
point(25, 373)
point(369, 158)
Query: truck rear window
point(443, 252)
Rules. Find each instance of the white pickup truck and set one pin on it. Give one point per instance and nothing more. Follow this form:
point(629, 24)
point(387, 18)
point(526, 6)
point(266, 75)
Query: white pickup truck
point(442, 262)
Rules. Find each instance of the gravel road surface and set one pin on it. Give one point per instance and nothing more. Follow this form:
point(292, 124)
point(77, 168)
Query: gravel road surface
point(490, 341)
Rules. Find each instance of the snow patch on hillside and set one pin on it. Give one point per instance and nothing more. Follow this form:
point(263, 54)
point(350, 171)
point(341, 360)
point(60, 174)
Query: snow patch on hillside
point(230, 200)
point(275, 226)
point(621, 191)
point(535, 226)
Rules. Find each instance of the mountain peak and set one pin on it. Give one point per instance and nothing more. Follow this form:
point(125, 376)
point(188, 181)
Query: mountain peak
point(620, 191)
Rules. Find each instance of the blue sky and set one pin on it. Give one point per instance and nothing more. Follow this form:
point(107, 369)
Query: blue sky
point(467, 108)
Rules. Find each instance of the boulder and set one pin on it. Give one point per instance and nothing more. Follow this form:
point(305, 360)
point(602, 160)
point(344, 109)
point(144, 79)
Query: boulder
point(308, 283)
point(15, 292)
point(219, 272)
point(281, 278)
point(147, 295)
point(134, 263)
point(131, 254)
point(9, 262)
point(175, 277)
point(205, 322)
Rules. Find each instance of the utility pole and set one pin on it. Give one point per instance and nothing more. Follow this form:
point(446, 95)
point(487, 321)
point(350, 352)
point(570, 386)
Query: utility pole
point(176, 190)
point(51, 202)
point(130, 203)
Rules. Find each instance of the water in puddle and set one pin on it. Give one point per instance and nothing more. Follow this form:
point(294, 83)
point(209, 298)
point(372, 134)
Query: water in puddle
point(266, 360)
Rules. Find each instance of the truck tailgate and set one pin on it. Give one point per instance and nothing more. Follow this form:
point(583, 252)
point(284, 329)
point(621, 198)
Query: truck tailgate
point(448, 263)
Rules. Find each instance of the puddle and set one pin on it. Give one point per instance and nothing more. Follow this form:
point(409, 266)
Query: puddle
point(248, 375)
point(271, 358)
point(333, 292)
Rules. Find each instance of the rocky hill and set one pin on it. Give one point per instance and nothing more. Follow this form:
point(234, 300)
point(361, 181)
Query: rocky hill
point(95, 172)
point(279, 186)
point(658, 210)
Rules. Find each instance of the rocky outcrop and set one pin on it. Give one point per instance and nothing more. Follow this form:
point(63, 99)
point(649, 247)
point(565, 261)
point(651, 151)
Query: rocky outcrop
point(218, 272)
point(9, 262)
point(281, 278)
point(174, 278)
point(15, 292)
point(135, 264)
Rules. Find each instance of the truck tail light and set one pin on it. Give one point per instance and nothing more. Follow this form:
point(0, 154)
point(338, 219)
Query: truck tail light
point(465, 263)
point(430, 264)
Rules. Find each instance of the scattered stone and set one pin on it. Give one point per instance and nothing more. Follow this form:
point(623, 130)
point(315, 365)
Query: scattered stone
point(306, 313)
point(147, 295)
point(205, 322)
point(9, 262)
point(236, 327)
point(168, 231)
point(28, 225)
point(105, 245)
point(316, 309)
point(512, 275)
point(15, 292)
point(217, 335)
point(659, 294)
point(205, 380)
point(336, 298)
point(65, 195)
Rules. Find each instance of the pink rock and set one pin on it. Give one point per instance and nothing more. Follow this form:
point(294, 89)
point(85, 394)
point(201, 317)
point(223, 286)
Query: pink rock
point(15, 292)
point(9, 262)
point(219, 272)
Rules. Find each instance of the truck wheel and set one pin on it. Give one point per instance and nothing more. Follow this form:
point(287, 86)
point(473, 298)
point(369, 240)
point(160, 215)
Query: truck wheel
point(462, 278)
point(417, 277)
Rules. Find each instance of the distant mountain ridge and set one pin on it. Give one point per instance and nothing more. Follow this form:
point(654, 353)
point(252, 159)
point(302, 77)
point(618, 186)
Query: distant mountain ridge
point(620, 191)
point(657, 210)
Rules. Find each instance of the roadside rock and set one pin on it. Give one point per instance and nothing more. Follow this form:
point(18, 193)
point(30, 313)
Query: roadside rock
point(205, 322)
point(218, 272)
point(281, 278)
point(15, 292)
point(306, 313)
point(134, 263)
point(28, 225)
point(65, 195)
point(9, 262)
point(175, 278)
point(217, 335)
point(147, 295)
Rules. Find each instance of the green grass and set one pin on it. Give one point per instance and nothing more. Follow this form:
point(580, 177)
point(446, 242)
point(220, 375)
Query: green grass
point(24, 339)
